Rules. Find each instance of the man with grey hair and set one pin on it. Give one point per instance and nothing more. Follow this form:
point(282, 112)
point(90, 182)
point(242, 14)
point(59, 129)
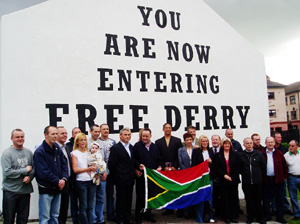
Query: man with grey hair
point(18, 172)
point(73, 193)
point(62, 136)
point(253, 168)
point(122, 167)
point(277, 171)
point(216, 145)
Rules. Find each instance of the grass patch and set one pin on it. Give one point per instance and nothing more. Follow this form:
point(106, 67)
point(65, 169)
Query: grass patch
point(291, 221)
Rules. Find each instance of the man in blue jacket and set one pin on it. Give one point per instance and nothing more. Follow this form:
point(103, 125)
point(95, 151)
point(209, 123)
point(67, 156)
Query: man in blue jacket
point(51, 175)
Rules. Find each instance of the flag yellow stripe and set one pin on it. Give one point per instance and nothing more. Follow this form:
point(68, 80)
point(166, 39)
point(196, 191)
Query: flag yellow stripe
point(166, 190)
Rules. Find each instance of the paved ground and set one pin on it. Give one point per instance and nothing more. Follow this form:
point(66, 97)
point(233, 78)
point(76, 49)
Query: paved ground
point(173, 219)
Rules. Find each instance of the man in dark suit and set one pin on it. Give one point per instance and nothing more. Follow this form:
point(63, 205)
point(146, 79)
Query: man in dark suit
point(64, 204)
point(216, 146)
point(73, 194)
point(168, 146)
point(122, 166)
point(236, 145)
point(147, 153)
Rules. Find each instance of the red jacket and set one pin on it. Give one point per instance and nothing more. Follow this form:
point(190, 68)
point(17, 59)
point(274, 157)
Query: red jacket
point(280, 166)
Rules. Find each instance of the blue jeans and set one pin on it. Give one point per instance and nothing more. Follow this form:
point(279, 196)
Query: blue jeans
point(199, 212)
point(98, 216)
point(211, 211)
point(74, 204)
point(294, 186)
point(49, 206)
point(286, 204)
point(86, 192)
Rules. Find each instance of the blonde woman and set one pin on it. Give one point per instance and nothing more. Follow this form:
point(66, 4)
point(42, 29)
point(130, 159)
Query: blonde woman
point(85, 188)
point(207, 155)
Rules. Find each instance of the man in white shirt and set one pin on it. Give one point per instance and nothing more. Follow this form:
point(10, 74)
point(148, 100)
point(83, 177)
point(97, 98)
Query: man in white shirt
point(292, 158)
point(110, 201)
point(100, 192)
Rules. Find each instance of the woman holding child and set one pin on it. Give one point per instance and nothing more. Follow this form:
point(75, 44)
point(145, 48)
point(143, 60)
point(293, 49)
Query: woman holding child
point(85, 187)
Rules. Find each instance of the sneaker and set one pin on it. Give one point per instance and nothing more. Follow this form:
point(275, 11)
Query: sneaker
point(212, 220)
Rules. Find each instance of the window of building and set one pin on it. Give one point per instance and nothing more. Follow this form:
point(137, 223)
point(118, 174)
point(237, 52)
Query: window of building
point(278, 129)
point(292, 99)
point(293, 115)
point(294, 127)
point(288, 116)
point(272, 113)
point(286, 101)
point(271, 95)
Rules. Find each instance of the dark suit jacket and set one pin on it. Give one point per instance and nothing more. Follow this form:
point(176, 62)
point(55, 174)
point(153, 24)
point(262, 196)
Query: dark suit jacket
point(121, 165)
point(169, 154)
point(234, 166)
point(236, 146)
point(69, 183)
point(198, 158)
point(151, 159)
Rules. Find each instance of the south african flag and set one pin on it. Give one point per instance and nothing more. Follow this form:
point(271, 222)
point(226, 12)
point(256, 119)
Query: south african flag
point(177, 189)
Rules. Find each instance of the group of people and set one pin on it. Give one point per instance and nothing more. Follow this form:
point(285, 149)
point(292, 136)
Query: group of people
point(88, 170)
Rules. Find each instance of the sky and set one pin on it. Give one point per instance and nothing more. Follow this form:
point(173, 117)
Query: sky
point(271, 26)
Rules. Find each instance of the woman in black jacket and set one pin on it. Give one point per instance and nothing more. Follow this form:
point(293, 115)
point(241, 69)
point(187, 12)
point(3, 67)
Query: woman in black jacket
point(205, 153)
point(227, 168)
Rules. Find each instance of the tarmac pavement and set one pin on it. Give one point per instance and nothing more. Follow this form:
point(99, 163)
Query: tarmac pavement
point(173, 219)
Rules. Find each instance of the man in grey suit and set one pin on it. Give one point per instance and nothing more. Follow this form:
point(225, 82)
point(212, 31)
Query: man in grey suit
point(192, 130)
point(122, 166)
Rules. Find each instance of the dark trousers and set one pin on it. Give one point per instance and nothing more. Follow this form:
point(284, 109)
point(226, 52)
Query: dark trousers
point(123, 203)
point(15, 204)
point(270, 188)
point(217, 204)
point(64, 204)
point(230, 200)
point(140, 197)
point(110, 201)
point(253, 196)
point(74, 204)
